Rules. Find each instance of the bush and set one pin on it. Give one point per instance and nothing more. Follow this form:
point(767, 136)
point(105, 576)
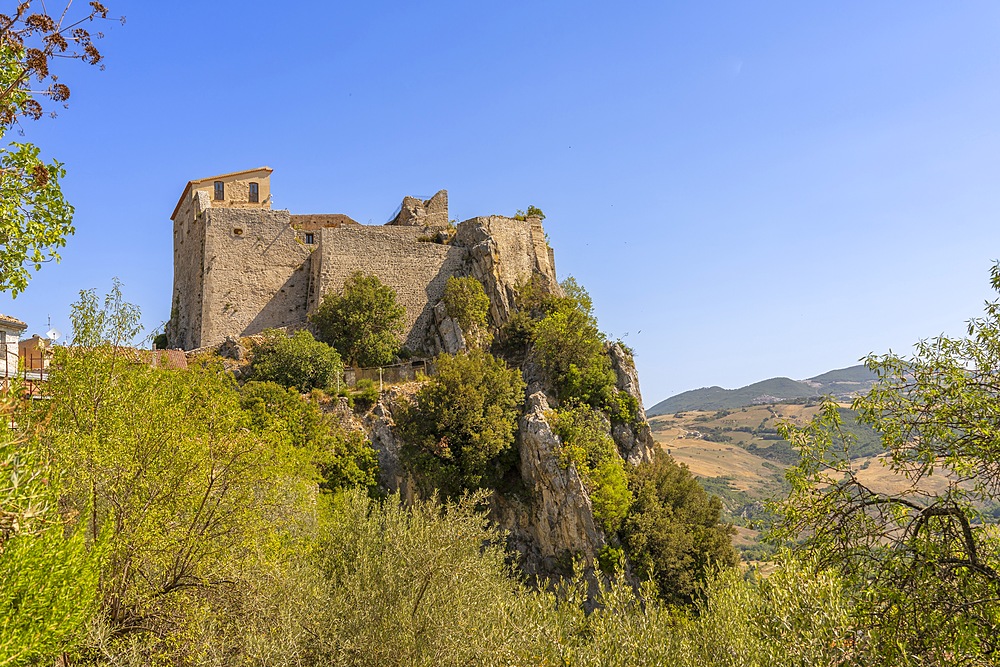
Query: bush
point(363, 323)
point(467, 303)
point(462, 422)
point(672, 533)
point(366, 394)
point(298, 361)
point(344, 459)
point(587, 443)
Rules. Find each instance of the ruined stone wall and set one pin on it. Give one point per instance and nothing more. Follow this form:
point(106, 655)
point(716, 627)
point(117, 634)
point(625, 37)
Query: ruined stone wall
point(184, 327)
point(240, 271)
point(256, 274)
point(417, 270)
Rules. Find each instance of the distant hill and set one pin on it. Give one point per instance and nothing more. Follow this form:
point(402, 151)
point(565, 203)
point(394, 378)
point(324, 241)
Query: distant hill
point(844, 383)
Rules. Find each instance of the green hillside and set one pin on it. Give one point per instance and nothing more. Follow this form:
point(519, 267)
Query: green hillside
point(843, 384)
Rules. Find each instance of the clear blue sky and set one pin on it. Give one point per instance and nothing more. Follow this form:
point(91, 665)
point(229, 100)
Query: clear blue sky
point(746, 189)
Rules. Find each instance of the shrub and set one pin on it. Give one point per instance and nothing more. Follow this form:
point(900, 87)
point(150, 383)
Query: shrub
point(672, 533)
point(466, 302)
point(298, 361)
point(562, 335)
point(462, 421)
point(344, 459)
point(587, 443)
point(366, 394)
point(363, 323)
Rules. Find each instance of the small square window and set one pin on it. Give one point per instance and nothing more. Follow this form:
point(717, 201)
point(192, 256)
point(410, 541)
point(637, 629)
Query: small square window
point(309, 239)
point(220, 191)
point(254, 194)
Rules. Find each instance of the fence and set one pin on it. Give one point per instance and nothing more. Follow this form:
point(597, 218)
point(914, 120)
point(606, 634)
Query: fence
point(28, 376)
point(406, 372)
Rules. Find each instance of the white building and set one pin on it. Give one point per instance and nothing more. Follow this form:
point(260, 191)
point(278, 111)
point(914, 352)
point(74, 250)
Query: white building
point(10, 333)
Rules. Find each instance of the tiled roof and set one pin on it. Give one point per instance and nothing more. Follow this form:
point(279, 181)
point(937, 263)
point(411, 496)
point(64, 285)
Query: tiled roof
point(12, 322)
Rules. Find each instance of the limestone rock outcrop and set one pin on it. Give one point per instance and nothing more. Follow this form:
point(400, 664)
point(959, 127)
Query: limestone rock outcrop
point(635, 441)
point(558, 519)
point(501, 253)
point(447, 336)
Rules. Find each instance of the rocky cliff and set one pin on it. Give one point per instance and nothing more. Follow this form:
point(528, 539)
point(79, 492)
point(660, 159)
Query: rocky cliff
point(550, 518)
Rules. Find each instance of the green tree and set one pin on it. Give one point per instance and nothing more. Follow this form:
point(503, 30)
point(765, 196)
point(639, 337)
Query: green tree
point(462, 421)
point(673, 533)
point(35, 218)
point(345, 459)
point(465, 300)
point(363, 323)
point(570, 348)
point(298, 361)
point(168, 467)
point(914, 553)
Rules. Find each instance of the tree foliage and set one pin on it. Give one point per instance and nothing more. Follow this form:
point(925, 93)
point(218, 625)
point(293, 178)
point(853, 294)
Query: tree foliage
point(363, 322)
point(49, 576)
point(921, 564)
point(466, 302)
point(35, 218)
point(343, 459)
point(462, 421)
point(587, 444)
point(673, 533)
point(298, 361)
point(561, 334)
point(168, 467)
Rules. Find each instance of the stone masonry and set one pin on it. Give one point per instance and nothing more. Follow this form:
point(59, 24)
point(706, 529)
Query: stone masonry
point(240, 267)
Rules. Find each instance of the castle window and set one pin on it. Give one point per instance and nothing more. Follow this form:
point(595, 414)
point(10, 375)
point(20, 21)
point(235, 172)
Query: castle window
point(254, 194)
point(309, 238)
point(220, 191)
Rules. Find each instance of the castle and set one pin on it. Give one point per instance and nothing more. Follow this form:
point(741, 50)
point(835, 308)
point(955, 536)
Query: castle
point(241, 267)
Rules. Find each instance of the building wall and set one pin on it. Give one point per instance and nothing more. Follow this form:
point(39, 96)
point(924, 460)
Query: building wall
point(184, 327)
point(256, 274)
point(237, 189)
point(9, 350)
point(417, 270)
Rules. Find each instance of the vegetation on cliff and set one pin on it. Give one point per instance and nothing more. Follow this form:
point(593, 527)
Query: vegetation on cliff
point(363, 322)
point(459, 430)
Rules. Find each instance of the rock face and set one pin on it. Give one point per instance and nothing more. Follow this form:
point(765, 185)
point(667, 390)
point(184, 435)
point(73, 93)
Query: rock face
point(501, 254)
point(635, 442)
point(378, 424)
point(558, 519)
point(447, 336)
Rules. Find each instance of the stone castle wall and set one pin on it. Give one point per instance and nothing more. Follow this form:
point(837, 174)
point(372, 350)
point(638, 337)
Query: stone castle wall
point(256, 273)
point(239, 271)
point(184, 327)
point(416, 269)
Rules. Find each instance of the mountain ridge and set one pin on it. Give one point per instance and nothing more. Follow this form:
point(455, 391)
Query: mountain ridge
point(842, 383)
